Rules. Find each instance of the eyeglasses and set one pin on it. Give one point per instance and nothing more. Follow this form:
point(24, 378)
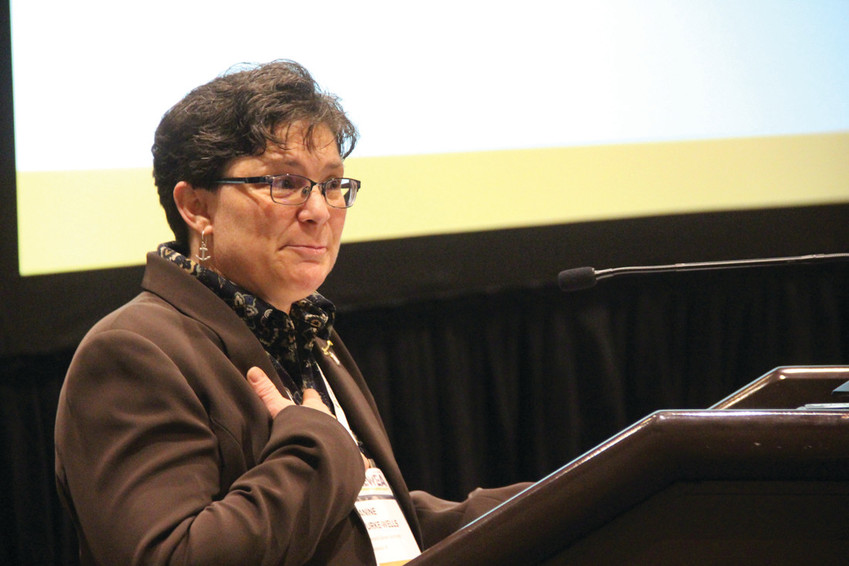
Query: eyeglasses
point(295, 189)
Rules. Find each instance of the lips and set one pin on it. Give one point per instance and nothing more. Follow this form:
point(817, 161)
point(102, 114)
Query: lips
point(307, 249)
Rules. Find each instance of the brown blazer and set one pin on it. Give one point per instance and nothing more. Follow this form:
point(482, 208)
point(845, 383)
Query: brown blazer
point(164, 454)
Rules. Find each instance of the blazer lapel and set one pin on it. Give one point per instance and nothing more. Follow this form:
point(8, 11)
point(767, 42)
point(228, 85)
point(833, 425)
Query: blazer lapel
point(165, 279)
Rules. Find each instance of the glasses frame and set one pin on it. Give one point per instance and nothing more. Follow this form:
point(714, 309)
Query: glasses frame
point(322, 186)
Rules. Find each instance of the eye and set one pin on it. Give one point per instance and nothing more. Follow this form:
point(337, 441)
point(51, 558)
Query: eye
point(334, 184)
point(291, 182)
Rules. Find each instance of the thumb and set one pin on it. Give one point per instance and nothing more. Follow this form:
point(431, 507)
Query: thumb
point(268, 393)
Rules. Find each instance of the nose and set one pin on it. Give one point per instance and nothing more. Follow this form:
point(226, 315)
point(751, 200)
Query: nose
point(315, 208)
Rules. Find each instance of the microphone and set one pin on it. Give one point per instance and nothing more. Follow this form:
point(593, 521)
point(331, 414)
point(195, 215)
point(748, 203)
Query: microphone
point(586, 277)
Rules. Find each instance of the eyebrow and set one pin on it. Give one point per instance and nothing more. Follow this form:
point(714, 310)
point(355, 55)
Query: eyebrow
point(294, 163)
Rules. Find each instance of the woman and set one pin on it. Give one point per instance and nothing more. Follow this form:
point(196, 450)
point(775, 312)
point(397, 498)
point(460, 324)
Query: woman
point(218, 418)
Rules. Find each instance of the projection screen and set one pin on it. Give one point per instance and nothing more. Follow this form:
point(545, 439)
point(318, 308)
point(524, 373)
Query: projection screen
point(473, 116)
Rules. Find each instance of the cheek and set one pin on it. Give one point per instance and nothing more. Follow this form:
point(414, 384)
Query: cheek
point(337, 224)
point(263, 222)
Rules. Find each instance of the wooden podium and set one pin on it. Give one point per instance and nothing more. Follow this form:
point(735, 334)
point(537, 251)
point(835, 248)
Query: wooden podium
point(762, 477)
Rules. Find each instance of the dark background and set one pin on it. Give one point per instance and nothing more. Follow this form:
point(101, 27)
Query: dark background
point(484, 371)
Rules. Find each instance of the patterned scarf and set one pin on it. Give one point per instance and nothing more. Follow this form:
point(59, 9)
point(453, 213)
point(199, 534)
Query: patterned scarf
point(288, 339)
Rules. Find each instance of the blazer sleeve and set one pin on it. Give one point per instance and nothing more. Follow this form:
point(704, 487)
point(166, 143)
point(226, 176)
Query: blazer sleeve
point(440, 518)
point(138, 465)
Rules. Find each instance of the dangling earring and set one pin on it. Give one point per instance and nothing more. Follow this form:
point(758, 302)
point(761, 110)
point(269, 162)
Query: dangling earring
point(203, 251)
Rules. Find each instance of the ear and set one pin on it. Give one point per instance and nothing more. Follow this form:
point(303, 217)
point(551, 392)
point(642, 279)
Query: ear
point(194, 205)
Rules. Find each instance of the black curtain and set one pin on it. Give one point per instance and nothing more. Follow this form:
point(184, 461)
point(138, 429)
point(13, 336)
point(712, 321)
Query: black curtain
point(489, 388)
point(493, 388)
point(34, 528)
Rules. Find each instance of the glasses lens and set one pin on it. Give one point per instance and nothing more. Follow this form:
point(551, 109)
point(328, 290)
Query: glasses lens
point(290, 189)
point(340, 193)
point(294, 189)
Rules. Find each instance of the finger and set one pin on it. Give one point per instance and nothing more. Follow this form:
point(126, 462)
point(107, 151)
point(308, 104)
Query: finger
point(313, 400)
point(274, 401)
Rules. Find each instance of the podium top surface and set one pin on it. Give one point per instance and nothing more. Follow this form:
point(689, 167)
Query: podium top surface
point(791, 387)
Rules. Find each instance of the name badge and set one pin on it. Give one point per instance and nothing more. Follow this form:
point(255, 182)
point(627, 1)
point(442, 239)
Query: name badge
point(391, 538)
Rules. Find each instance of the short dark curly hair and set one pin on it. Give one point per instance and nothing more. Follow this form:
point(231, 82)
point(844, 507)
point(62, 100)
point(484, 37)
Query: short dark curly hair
point(234, 115)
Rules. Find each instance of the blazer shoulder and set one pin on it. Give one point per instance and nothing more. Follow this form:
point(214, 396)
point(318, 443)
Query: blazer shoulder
point(149, 318)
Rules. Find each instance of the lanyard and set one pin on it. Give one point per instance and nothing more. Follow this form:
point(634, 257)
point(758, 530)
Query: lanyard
point(391, 538)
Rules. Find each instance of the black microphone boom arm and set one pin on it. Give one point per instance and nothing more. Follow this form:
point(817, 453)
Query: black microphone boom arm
point(586, 277)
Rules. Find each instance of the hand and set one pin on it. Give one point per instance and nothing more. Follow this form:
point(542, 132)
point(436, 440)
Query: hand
point(275, 402)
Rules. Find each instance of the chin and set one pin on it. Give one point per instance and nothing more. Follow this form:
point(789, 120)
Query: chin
point(307, 285)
